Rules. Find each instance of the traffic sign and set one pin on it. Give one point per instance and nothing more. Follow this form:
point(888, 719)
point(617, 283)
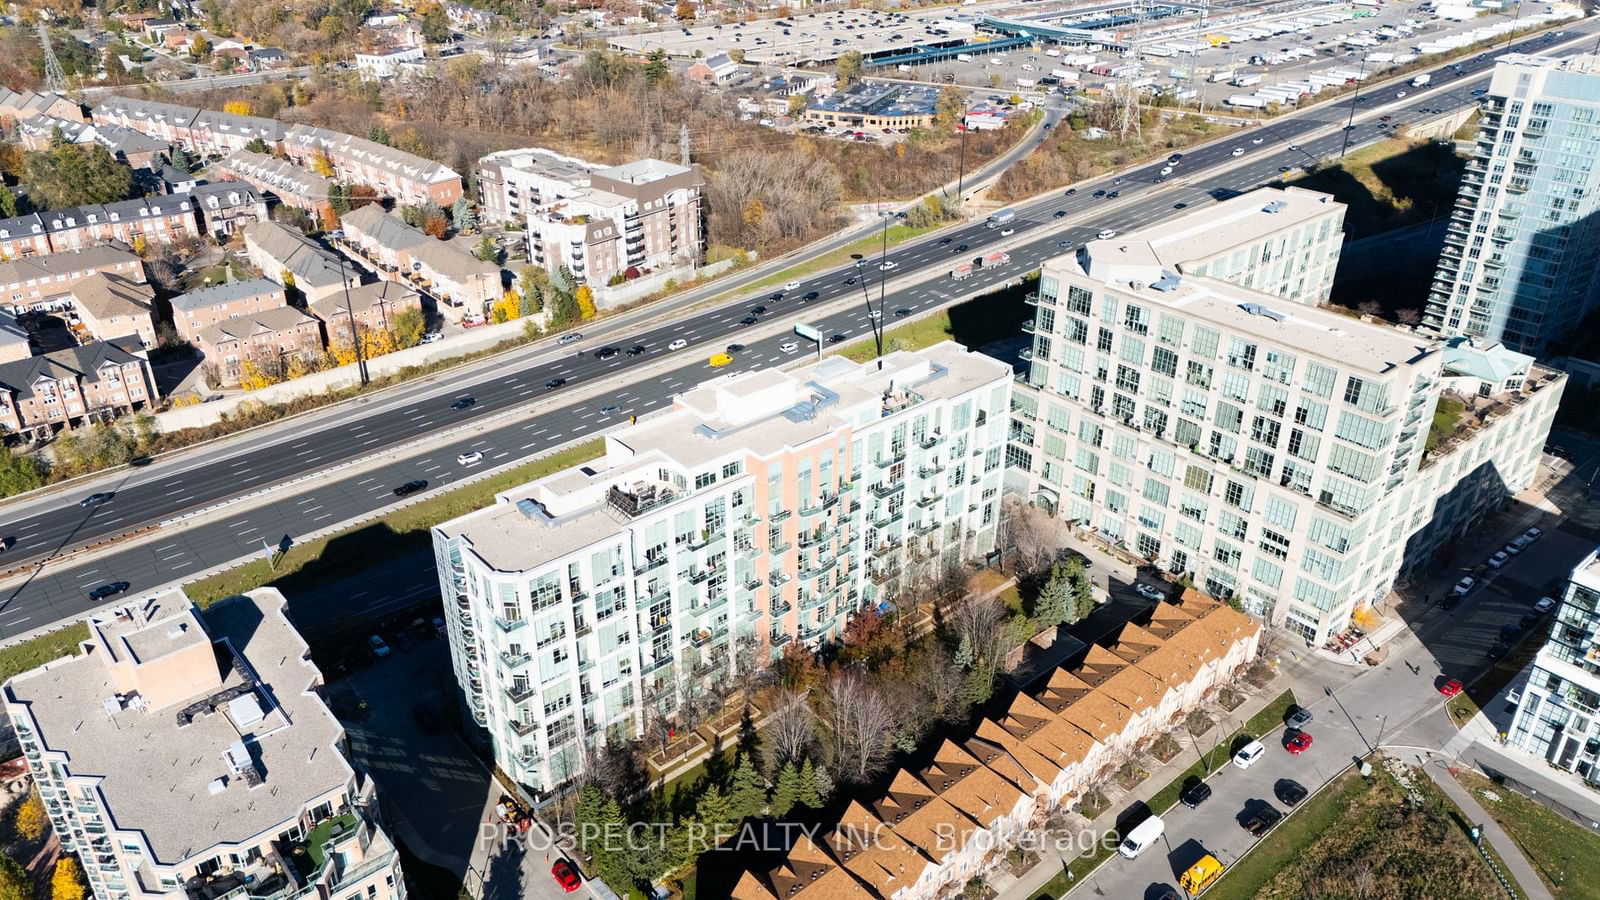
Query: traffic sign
point(808, 332)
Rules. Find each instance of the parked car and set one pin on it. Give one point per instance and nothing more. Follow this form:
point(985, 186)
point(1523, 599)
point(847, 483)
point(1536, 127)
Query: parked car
point(1263, 820)
point(1544, 605)
point(1148, 591)
point(1450, 688)
point(470, 458)
point(1248, 754)
point(1533, 534)
point(1195, 791)
point(1290, 792)
point(1297, 743)
point(1499, 559)
point(405, 641)
point(1298, 717)
point(432, 337)
point(1464, 586)
point(566, 876)
point(379, 648)
point(409, 488)
point(1517, 545)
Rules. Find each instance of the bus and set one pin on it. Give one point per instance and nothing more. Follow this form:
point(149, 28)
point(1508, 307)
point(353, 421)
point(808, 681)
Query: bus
point(1001, 217)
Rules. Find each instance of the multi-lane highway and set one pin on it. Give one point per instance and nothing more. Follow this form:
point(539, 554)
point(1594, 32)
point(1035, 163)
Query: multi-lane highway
point(600, 399)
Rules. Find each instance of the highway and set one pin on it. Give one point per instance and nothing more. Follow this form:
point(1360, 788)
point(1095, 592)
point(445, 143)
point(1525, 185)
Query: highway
point(918, 283)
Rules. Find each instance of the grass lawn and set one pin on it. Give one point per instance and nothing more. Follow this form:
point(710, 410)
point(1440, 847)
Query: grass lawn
point(1566, 856)
point(982, 320)
point(404, 529)
point(869, 247)
point(42, 649)
point(1445, 416)
point(1390, 184)
point(213, 275)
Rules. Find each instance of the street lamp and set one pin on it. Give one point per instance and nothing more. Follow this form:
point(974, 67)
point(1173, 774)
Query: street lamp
point(961, 172)
point(1354, 98)
point(344, 282)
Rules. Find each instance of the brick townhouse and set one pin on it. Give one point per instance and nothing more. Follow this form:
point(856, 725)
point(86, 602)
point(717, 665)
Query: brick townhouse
point(42, 281)
point(202, 131)
point(292, 185)
point(158, 220)
point(462, 284)
point(200, 309)
point(17, 106)
point(228, 207)
point(271, 338)
point(406, 177)
point(288, 257)
point(111, 306)
point(375, 307)
point(139, 151)
point(56, 390)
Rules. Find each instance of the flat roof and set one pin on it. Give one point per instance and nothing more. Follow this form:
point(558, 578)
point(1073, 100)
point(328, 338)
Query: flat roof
point(1247, 218)
point(810, 36)
point(155, 774)
point(760, 413)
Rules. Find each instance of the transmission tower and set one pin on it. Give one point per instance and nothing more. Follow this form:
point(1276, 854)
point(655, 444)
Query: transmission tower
point(1126, 98)
point(54, 78)
point(683, 144)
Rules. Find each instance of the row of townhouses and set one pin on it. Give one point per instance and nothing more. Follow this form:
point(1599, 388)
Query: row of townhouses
point(937, 827)
point(462, 284)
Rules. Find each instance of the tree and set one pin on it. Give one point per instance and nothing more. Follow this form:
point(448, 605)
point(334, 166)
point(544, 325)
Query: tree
point(116, 70)
point(409, 326)
point(1082, 591)
point(487, 250)
point(950, 107)
point(199, 47)
point(19, 474)
point(257, 145)
point(684, 10)
point(180, 159)
point(848, 67)
point(656, 71)
point(713, 808)
point(31, 820)
point(436, 224)
point(747, 796)
point(791, 726)
point(584, 298)
point(464, 218)
point(532, 285)
point(239, 108)
point(75, 175)
point(435, 23)
point(797, 105)
point(321, 164)
point(1055, 604)
point(815, 786)
point(378, 134)
point(787, 791)
point(14, 881)
point(860, 725)
point(8, 203)
point(66, 883)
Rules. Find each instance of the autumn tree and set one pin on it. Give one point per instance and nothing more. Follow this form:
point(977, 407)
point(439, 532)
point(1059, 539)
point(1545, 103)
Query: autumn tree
point(860, 725)
point(66, 882)
point(199, 47)
point(31, 820)
point(684, 10)
point(8, 203)
point(584, 298)
point(239, 107)
point(435, 23)
point(67, 174)
point(847, 68)
point(14, 881)
point(409, 326)
point(950, 107)
point(321, 164)
point(436, 225)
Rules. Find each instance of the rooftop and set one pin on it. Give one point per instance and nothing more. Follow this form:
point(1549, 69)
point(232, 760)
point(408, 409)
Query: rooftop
point(1218, 228)
point(28, 268)
point(256, 721)
point(107, 294)
point(882, 98)
point(228, 292)
point(805, 36)
point(243, 328)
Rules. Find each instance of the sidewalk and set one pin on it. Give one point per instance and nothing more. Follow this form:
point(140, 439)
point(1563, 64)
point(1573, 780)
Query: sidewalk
point(1516, 863)
point(1010, 887)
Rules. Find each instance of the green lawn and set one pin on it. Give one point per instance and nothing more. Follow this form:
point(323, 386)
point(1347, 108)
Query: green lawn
point(1445, 417)
point(42, 649)
point(1390, 184)
point(1566, 855)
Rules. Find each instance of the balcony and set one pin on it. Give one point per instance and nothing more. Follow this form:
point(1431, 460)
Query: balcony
point(779, 579)
point(779, 516)
point(518, 692)
point(1029, 328)
point(1025, 354)
point(882, 491)
point(781, 638)
point(656, 663)
point(509, 625)
point(642, 498)
point(1518, 186)
point(778, 609)
point(884, 520)
point(522, 729)
point(930, 441)
point(650, 565)
point(884, 460)
point(930, 471)
point(1034, 298)
point(514, 660)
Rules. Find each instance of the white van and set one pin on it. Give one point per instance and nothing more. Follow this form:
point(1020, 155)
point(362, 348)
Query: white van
point(1248, 754)
point(1141, 837)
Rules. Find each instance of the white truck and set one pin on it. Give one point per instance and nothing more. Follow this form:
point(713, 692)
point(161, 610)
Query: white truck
point(1421, 80)
point(1220, 75)
point(1245, 79)
point(962, 271)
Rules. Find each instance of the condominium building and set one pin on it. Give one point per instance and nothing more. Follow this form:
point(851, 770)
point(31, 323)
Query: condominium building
point(187, 754)
point(1522, 250)
point(760, 508)
point(938, 826)
point(598, 222)
point(1276, 452)
point(1558, 700)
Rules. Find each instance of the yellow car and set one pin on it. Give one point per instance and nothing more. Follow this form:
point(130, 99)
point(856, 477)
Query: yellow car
point(718, 360)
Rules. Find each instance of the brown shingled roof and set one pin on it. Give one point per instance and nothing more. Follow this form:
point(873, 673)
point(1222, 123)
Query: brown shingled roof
point(810, 872)
point(873, 852)
point(1063, 688)
point(1098, 716)
point(966, 784)
point(1100, 664)
point(751, 887)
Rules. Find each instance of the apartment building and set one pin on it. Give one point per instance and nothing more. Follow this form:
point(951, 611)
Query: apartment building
point(388, 63)
point(374, 306)
point(155, 220)
point(1274, 451)
point(93, 382)
point(37, 282)
point(269, 340)
point(462, 284)
point(760, 508)
point(138, 151)
point(110, 306)
point(295, 261)
point(938, 826)
point(204, 132)
point(513, 183)
point(292, 185)
point(228, 207)
point(1558, 697)
point(187, 754)
point(1521, 251)
point(200, 309)
point(408, 178)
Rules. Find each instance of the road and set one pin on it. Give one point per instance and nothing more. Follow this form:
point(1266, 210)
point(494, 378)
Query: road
point(1043, 229)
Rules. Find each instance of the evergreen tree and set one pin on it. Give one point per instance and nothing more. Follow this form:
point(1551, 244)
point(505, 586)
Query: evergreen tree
point(182, 160)
point(8, 203)
point(787, 792)
point(462, 215)
point(532, 285)
point(488, 250)
point(1082, 591)
point(1056, 603)
point(713, 809)
point(815, 785)
point(378, 134)
point(656, 71)
point(14, 881)
point(747, 797)
point(257, 145)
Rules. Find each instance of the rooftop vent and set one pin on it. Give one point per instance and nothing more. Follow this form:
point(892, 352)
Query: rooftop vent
point(1276, 206)
point(1256, 309)
point(217, 785)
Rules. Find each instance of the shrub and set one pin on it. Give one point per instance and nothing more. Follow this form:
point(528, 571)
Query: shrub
point(1198, 723)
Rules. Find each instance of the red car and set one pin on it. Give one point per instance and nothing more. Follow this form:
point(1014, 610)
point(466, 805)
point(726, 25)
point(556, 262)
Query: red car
point(1298, 743)
point(1450, 688)
point(566, 875)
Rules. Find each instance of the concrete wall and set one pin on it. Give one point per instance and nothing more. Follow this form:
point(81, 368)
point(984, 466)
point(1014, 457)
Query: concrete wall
point(629, 291)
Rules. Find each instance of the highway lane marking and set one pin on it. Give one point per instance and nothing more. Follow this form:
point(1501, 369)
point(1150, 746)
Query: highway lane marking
point(10, 622)
point(431, 469)
point(173, 556)
point(575, 430)
point(501, 455)
point(528, 446)
point(182, 564)
point(370, 441)
point(243, 524)
point(524, 393)
point(530, 425)
point(167, 547)
point(367, 480)
point(323, 516)
point(299, 445)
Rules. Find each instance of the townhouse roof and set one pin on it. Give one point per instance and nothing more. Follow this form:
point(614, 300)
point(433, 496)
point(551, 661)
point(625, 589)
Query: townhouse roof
point(1061, 690)
point(364, 297)
point(1000, 761)
point(923, 818)
point(84, 362)
point(1132, 688)
point(179, 116)
point(115, 138)
point(453, 263)
point(220, 195)
point(69, 262)
point(372, 153)
point(28, 102)
point(967, 785)
point(751, 887)
point(811, 873)
point(311, 264)
point(57, 220)
point(227, 292)
point(105, 295)
point(277, 175)
point(385, 230)
point(243, 328)
point(12, 334)
point(995, 734)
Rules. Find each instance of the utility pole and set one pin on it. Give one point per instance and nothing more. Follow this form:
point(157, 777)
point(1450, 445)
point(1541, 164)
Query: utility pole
point(55, 79)
point(1354, 99)
point(355, 337)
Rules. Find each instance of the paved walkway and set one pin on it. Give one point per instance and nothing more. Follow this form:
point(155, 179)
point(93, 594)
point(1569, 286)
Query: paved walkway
point(1009, 887)
point(1517, 864)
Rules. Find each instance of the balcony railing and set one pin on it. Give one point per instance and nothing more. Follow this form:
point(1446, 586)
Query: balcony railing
point(519, 692)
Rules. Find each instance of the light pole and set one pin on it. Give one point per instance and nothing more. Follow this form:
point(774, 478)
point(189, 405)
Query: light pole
point(961, 172)
point(355, 338)
point(866, 297)
point(1354, 99)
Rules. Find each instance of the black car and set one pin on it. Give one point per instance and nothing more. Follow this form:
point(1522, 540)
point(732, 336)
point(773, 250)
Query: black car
point(810, 296)
point(836, 338)
point(850, 280)
point(776, 296)
point(606, 352)
point(735, 348)
point(1113, 195)
point(748, 320)
point(636, 349)
point(901, 313)
point(758, 310)
point(464, 403)
point(1100, 193)
point(409, 488)
point(1289, 791)
point(1262, 822)
point(1060, 214)
point(95, 499)
point(554, 383)
point(1508, 633)
point(961, 248)
point(1071, 191)
point(1195, 792)
point(109, 589)
point(1298, 718)
point(943, 241)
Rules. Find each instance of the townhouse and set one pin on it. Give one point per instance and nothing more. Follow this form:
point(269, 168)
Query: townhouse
point(408, 178)
point(14, 343)
point(155, 220)
point(39, 282)
point(19, 106)
point(187, 754)
point(95, 381)
point(110, 306)
point(202, 308)
point(228, 207)
point(270, 340)
point(292, 185)
point(462, 284)
point(374, 306)
point(937, 827)
point(137, 150)
point(204, 132)
point(759, 509)
point(295, 261)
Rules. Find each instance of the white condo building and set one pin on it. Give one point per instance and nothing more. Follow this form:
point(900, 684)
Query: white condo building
point(1274, 451)
point(760, 508)
point(1558, 710)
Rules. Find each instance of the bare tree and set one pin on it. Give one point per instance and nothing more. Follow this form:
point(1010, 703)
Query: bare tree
point(861, 724)
point(1028, 534)
point(790, 727)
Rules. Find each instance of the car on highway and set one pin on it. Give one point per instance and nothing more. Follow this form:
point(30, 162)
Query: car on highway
point(636, 349)
point(1289, 792)
point(1479, 92)
point(874, 313)
point(758, 310)
point(1297, 743)
point(1284, 170)
point(566, 876)
point(410, 487)
point(718, 360)
point(1262, 820)
point(464, 403)
point(1070, 192)
point(378, 646)
point(1059, 214)
point(96, 499)
point(749, 320)
point(810, 296)
point(791, 285)
point(1100, 193)
point(1400, 95)
point(1165, 170)
point(788, 346)
point(1545, 604)
point(1255, 140)
point(606, 352)
point(1237, 151)
point(1248, 754)
point(1173, 159)
point(1499, 559)
point(890, 265)
point(610, 409)
point(570, 337)
point(837, 338)
point(678, 344)
point(1450, 688)
point(849, 281)
point(1294, 148)
point(109, 589)
point(961, 248)
point(776, 296)
point(432, 337)
point(6, 542)
point(901, 313)
point(1533, 534)
point(1298, 717)
point(1004, 232)
point(1385, 118)
point(1113, 195)
point(470, 458)
point(1106, 234)
point(1195, 792)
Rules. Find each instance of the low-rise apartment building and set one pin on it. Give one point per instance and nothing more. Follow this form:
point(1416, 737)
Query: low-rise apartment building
point(292, 185)
point(269, 340)
point(374, 306)
point(387, 63)
point(155, 220)
point(228, 207)
point(110, 306)
point(1275, 452)
point(759, 509)
point(938, 826)
point(1558, 696)
point(93, 382)
point(295, 261)
point(187, 754)
point(514, 183)
point(200, 309)
point(408, 178)
point(41, 281)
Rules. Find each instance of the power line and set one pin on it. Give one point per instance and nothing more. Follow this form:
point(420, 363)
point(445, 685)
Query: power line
point(55, 79)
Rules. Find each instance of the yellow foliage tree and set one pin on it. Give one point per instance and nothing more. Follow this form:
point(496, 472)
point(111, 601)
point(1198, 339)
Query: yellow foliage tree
point(140, 245)
point(239, 107)
point(506, 308)
point(252, 378)
point(322, 165)
point(31, 820)
point(66, 883)
point(585, 298)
